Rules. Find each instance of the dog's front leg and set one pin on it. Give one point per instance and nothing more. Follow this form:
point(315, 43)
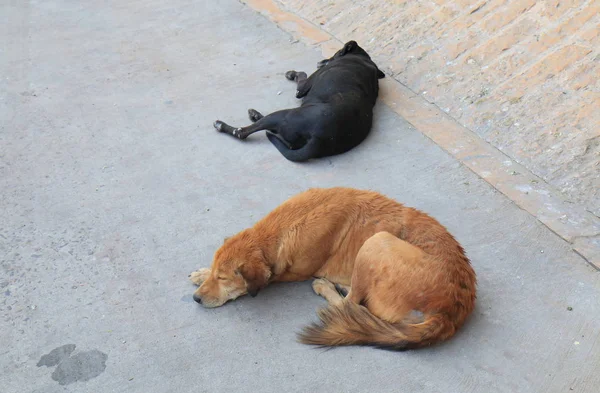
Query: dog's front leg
point(302, 80)
point(199, 276)
point(296, 76)
point(323, 63)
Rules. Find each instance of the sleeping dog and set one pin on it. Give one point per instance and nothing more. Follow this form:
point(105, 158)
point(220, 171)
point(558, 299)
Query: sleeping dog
point(394, 277)
point(336, 112)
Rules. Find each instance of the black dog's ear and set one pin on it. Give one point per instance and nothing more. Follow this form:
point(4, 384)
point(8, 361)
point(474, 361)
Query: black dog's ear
point(256, 273)
point(380, 74)
point(350, 45)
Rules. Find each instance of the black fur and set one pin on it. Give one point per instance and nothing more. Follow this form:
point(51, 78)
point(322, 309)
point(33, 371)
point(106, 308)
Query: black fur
point(336, 112)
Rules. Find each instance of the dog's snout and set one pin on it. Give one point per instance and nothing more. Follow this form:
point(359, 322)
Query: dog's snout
point(197, 299)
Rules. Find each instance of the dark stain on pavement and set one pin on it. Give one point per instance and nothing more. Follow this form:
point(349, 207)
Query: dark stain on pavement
point(56, 355)
point(82, 366)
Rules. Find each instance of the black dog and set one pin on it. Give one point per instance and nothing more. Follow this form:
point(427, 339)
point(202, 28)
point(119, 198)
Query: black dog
point(336, 113)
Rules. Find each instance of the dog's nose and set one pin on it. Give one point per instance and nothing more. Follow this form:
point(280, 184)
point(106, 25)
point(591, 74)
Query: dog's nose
point(197, 299)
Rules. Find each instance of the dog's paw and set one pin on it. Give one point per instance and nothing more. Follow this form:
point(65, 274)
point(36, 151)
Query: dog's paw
point(343, 291)
point(218, 125)
point(322, 286)
point(290, 75)
point(199, 276)
point(322, 63)
point(254, 115)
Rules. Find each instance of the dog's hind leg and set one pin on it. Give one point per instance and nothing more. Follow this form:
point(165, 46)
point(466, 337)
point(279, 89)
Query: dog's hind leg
point(326, 289)
point(310, 150)
point(270, 122)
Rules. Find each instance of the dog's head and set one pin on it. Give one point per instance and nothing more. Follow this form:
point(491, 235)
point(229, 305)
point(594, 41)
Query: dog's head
point(351, 47)
point(239, 267)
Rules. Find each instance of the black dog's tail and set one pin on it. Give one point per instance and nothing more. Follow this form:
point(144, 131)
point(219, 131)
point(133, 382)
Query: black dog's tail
point(306, 152)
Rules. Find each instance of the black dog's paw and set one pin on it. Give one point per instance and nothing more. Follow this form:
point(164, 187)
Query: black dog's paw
point(301, 92)
point(322, 63)
point(290, 75)
point(218, 125)
point(254, 115)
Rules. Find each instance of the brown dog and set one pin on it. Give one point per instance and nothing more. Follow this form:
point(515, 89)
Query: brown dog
point(410, 282)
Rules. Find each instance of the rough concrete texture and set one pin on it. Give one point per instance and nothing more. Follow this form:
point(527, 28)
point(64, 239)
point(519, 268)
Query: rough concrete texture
point(115, 186)
point(522, 74)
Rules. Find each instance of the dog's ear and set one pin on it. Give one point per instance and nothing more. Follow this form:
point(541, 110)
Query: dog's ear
point(256, 273)
point(350, 45)
point(380, 74)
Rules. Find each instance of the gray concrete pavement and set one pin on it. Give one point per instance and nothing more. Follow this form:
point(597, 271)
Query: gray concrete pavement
point(114, 186)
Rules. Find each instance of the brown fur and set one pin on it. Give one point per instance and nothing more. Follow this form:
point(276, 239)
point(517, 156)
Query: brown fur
point(410, 282)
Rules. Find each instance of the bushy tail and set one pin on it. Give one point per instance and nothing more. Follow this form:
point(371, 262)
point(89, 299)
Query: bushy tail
point(351, 324)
